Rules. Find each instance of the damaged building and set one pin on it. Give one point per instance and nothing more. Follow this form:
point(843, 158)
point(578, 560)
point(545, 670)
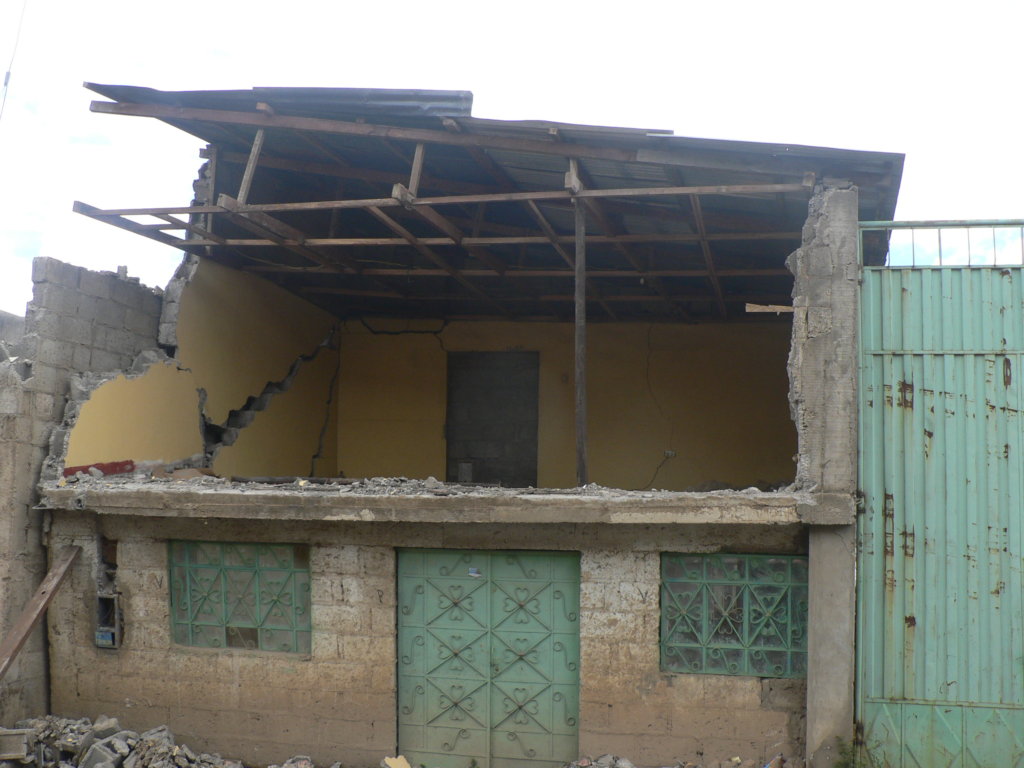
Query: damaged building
point(493, 443)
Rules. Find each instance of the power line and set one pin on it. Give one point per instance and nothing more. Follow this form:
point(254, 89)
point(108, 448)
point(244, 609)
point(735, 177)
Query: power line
point(10, 65)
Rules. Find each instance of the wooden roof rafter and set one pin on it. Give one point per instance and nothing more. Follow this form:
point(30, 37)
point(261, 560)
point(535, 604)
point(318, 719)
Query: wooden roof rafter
point(484, 221)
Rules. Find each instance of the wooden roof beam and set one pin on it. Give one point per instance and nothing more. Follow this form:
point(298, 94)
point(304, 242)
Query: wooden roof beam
point(398, 272)
point(644, 298)
point(709, 260)
point(281, 234)
point(581, 181)
point(553, 238)
point(431, 255)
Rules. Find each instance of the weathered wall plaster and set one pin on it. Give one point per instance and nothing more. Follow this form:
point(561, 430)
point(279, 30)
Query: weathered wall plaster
point(339, 702)
point(77, 322)
point(236, 332)
point(651, 388)
point(152, 417)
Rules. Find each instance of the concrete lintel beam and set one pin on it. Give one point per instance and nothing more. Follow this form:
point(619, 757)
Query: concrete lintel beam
point(828, 509)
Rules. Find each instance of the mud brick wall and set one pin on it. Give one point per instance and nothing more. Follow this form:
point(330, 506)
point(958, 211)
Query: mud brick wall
point(339, 702)
point(77, 322)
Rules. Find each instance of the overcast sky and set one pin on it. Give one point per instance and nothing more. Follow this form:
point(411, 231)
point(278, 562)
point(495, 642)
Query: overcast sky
point(939, 81)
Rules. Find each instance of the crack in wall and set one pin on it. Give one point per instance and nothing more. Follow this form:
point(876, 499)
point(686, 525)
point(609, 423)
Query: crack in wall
point(217, 436)
point(331, 389)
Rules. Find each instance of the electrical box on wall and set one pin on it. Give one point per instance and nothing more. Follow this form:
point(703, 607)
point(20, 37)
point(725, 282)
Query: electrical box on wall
point(108, 621)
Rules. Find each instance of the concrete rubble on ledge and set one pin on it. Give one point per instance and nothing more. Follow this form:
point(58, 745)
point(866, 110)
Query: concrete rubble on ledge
point(57, 742)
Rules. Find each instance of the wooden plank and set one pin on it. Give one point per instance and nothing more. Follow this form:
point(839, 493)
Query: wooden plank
point(552, 236)
point(628, 274)
point(565, 298)
point(250, 167)
point(513, 197)
point(430, 254)
point(580, 342)
point(131, 226)
point(442, 223)
point(417, 169)
point(611, 228)
point(709, 262)
point(345, 170)
point(282, 234)
point(195, 229)
point(35, 609)
point(701, 158)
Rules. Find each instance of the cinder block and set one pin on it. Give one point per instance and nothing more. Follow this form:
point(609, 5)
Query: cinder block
point(10, 401)
point(139, 322)
point(152, 305)
point(103, 361)
point(80, 358)
point(111, 314)
point(636, 716)
point(325, 646)
point(94, 284)
point(55, 353)
point(128, 294)
point(45, 269)
point(733, 691)
point(120, 341)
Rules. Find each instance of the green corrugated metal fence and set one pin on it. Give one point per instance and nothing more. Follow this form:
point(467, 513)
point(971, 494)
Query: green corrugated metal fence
point(940, 595)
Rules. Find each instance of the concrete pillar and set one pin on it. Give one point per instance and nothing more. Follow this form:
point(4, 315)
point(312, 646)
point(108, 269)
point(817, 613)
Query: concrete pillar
point(823, 399)
point(831, 641)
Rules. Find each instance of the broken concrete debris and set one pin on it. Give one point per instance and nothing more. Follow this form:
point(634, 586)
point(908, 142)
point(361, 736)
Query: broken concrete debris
point(58, 742)
point(614, 761)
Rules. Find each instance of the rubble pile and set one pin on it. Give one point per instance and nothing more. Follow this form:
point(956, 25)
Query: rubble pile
point(57, 742)
point(614, 761)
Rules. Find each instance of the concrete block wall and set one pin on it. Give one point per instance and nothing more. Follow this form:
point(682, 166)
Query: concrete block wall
point(339, 703)
point(629, 707)
point(78, 321)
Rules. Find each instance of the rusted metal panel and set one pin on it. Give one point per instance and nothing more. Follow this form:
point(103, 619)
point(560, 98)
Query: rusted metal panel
point(940, 628)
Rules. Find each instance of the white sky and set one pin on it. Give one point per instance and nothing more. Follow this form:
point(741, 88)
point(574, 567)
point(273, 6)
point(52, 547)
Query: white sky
point(939, 81)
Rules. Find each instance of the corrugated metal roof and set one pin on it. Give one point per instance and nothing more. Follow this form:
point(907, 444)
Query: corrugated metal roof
point(513, 156)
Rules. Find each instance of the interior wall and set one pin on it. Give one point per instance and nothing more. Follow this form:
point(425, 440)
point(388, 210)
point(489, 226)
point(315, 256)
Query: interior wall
point(108, 422)
point(243, 344)
point(714, 394)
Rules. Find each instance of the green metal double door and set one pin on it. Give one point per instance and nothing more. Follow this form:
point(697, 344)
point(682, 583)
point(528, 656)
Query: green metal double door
point(488, 658)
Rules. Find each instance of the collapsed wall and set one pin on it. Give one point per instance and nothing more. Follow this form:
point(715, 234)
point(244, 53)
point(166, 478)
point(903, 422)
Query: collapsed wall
point(77, 322)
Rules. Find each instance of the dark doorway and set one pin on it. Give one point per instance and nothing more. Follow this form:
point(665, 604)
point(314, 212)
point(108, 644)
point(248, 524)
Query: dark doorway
point(492, 417)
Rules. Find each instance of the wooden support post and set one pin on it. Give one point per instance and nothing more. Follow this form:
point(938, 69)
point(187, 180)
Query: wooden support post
point(250, 168)
point(33, 612)
point(417, 170)
point(580, 216)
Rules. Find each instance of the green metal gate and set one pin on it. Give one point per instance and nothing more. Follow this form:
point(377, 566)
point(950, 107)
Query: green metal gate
point(940, 628)
point(488, 658)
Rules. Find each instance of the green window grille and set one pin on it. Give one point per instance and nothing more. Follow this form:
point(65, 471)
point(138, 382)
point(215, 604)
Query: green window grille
point(253, 596)
point(734, 614)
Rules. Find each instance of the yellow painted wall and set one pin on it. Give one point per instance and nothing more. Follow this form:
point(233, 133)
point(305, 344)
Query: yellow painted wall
point(152, 417)
point(714, 394)
point(236, 333)
point(283, 439)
